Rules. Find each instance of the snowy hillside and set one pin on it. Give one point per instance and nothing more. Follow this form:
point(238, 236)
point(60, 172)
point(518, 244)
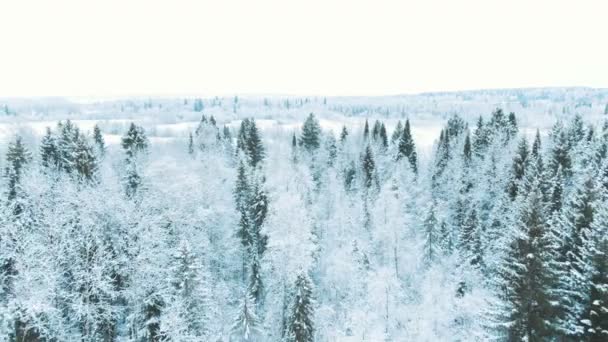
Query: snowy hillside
point(469, 216)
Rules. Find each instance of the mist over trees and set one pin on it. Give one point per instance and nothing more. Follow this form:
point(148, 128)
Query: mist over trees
point(311, 235)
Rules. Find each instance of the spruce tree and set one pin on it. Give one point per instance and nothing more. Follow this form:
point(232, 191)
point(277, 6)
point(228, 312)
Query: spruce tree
point(396, 136)
point(536, 146)
point(99, 141)
point(294, 148)
point(300, 326)
point(241, 197)
point(254, 145)
point(556, 192)
point(332, 149)
point(432, 236)
point(66, 144)
point(512, 125)
point(368, 167)
point(256, 286)
point(132, 180)
point(152, 312)
point(17, 157)
point(189, 294)
point(467, 154)
point(85, 160)
point(366, 131)
point(595, 315)
point(343, 134)
point(576, 130)
point(258, 207)
point(518, 168)
point(190, 144)
point(573, 230)
point(134, 141)
point(49, 154)
point(480, 138)
point(559, 154)
point(350, 173)
point(247, 327)
point(407, 148)
point(311, 134)
point(383, 136)
point(226, 134)
point(470, 239)
point(249, 142)
point(376, 131)
point(527, 276)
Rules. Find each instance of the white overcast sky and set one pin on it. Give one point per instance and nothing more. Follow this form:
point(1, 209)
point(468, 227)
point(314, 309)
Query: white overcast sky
point(326, 47)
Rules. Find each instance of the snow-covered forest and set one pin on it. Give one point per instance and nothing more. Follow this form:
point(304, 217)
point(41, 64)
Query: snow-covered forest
point(467, 216)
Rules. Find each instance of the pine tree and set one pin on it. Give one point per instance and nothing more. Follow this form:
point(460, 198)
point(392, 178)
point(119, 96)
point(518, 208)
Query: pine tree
point(99, 141)
point(300, 323)
point(311, 134)
point(407, 149)
point(247, 326)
